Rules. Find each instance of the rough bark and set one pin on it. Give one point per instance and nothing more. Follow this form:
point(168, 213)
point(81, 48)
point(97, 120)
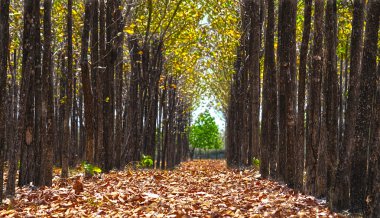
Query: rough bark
point(300, 149)
point(132, 148)
point(86, 82)
point(373, 184)
point(48, 124)
point(68, 101)
point(269, 120)
point(253, 71)
point(4, 52)
point(286, 91)
point(108, 91)
point(331, 93)
point(367, 89)
point(315, 100)
point(340, 199)
point(31, 49)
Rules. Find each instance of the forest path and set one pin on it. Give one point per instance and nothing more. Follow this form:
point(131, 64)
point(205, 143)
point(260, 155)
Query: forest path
point(201, 188)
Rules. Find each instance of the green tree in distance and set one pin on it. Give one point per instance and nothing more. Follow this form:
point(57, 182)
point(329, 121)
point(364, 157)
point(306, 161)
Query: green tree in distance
point(204, 133)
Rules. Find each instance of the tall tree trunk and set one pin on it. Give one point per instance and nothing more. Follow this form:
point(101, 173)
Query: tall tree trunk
point(36, 163)
point(367, 81)
point(253, 71)
point(315, 100)
point(68, 101)
point(300, 149)
point(331, 93)
point(286, 92)
point(86, 82)
point(340, 198)
point(4, 52)
point(108, 104)
point(119, 84)
point(30, 61)
point(269, 115)
point(373, 184)
point(99, 154)
point(48, 124)
point(132, 148)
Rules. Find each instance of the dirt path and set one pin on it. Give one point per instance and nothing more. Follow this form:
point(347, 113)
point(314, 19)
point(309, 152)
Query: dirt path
point(196, 189)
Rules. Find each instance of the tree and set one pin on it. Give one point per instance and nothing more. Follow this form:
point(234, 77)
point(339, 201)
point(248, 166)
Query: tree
point(4, 52)
point(287, 16)
point(28, 132)
point(340, 194)
point(86, 81)
point(367, 92)
point(69, 92)
point(301, 96)
point(48, 122)
point(204, 133)
point(331, 97)
point(269, 115)
point(373, 184)
point(313, 138)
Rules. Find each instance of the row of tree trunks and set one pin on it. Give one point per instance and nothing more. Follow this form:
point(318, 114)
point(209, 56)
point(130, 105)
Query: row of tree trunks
point(338, 134)
point(244, 105)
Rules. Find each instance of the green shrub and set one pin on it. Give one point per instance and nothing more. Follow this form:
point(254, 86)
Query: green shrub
point(256, 162)
point(90, 169)
point(146, 161)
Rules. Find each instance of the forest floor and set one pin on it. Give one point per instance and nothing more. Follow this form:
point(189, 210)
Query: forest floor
point(202, 188)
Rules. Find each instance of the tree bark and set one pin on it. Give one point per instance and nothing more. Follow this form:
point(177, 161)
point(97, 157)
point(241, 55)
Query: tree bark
point(300, 150)
point(68, 101)
point(86, 82)
point(363, 123)
point(340, 199)
point(4, 53)
point(331, 94)
point(269, 116)
point(48, 124)
point(315, 100)
point(373, 184)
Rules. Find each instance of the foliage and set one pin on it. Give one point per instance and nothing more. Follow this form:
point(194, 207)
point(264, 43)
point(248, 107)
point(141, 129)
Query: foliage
point(90, 169)
point(204, 133)
point(146, 161)
point(256, 162)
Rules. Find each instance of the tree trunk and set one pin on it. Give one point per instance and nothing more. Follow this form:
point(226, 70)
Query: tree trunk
point(108, 104)
point(119, 85)
point(363, 123)
point(253, 71)
point(286, 91)
point(132, 148)
point(340, 198)
point(331, 93)
point(86, 82)
point(27, 134)
point(373, 184)
point(48, 124)
point(269, 115)
point(4, 52)
point(315, 100)
point(300, 149)
point(68, 101)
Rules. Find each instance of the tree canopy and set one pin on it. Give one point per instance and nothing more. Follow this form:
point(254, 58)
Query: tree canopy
point(204, 133)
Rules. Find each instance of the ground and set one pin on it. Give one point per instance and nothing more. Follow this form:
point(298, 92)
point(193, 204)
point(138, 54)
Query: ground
point(202, 188)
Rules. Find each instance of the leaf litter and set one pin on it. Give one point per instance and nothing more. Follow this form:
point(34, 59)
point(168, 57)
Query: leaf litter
point(201, 188)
